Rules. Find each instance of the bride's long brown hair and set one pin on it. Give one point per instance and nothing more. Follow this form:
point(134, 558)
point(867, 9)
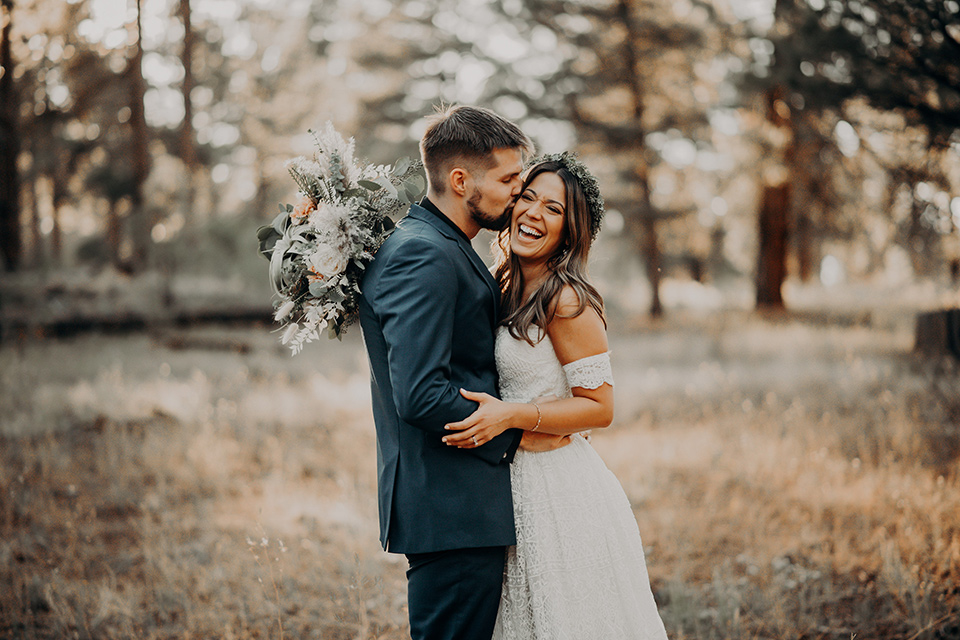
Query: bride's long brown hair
point(568, 266)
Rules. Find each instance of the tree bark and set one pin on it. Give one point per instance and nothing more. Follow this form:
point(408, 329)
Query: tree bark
point(188, 149)
point(113, 232)
point(772, 255)
point(11, 245)
point(653, 261)
point(773, 220)
point(59, 196)
point(140, 224)
point(32, 211)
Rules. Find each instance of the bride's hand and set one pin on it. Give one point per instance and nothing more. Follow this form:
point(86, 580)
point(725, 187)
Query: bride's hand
point(491, 418)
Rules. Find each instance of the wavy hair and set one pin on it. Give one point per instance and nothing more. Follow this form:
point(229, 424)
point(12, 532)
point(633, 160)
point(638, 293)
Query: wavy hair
point(568, 266)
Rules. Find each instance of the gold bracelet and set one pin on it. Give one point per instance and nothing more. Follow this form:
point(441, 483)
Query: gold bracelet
point(539, 416)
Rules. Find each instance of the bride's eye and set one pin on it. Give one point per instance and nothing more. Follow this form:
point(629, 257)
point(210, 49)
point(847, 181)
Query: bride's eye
point(526, 196)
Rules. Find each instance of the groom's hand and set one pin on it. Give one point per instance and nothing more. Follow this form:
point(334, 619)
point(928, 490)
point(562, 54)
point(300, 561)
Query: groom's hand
point(534, 441)
point(492, 417)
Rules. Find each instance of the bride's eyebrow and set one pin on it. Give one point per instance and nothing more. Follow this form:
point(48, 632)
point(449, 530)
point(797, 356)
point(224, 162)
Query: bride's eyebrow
point(560, 204)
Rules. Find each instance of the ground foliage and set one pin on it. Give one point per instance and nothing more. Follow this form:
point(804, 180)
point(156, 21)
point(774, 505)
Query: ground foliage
point(790, 480)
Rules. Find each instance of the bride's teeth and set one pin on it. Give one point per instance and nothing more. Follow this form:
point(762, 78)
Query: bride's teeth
point(530, 231)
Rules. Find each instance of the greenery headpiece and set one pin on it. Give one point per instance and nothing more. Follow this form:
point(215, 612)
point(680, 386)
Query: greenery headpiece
point(588, 182)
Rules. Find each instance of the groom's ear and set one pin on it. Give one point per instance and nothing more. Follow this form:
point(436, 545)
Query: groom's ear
point(458, 179)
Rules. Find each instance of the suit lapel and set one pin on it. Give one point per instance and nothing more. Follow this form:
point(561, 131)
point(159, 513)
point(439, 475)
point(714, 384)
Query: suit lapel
point(419, 213)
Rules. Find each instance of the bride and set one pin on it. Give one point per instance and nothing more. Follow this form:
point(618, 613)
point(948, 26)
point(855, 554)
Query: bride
point(578, 569)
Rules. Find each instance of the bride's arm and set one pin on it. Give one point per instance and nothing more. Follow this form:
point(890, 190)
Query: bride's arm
point(573, 338)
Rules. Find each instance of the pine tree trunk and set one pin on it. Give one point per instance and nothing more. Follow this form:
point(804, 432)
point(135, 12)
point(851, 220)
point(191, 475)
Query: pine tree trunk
point(773, 233)
point(773, 224)
point(10, 235)
point(652, 259)
point(646, 231)
point(715, 260)
point(59, 196)
point(113, 232)
point(188, 152)
point(804, 248)
point(34, 245)
point(140, 224)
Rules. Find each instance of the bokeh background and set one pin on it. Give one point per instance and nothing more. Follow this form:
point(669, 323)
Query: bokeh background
point(780, 263)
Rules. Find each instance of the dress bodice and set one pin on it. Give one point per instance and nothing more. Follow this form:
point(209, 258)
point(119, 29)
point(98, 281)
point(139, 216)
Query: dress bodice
point(528, 372)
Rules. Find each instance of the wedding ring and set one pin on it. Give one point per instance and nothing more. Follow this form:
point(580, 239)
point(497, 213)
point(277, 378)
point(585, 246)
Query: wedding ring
point(475, 443)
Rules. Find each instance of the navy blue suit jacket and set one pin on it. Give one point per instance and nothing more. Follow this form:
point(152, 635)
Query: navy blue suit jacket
point(428, 314)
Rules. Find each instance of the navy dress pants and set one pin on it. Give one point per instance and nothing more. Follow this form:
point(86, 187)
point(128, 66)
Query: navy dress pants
point(454, 595)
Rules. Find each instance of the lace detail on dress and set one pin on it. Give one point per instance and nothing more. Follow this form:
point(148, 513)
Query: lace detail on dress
point(590, 372)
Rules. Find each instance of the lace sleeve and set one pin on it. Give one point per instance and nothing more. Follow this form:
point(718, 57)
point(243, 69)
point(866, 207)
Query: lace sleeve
point(590, 372)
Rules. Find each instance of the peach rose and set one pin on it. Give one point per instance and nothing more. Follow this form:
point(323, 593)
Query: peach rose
point(302, 210)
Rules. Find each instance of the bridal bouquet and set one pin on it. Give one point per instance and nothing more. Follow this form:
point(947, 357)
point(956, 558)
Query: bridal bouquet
point(319, 248)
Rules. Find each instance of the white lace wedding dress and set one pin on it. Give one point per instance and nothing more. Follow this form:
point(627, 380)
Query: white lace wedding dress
point(577, 571)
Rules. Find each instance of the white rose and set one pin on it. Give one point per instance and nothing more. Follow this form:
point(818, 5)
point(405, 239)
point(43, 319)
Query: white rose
point(326, 261)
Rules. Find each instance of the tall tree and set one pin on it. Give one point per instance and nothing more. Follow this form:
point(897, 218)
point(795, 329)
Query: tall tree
point(773, 219)
point(10, 237)
point(140, 152)
point(898, 55)
point(188, 147)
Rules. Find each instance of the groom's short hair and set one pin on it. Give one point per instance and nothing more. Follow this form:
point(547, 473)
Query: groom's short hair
point(466, 135)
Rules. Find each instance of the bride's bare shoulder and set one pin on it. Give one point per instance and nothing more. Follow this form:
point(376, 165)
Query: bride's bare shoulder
point(576, 335)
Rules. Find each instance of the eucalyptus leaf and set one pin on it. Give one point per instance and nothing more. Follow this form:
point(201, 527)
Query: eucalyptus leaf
point(417, 181)
point(411, 191)
point(401, 167)
point(384, 182)
point(333, 331)
point(318, 288)
point(281, 222)
point(267, 245)
point(369, 185)
point(265, 232)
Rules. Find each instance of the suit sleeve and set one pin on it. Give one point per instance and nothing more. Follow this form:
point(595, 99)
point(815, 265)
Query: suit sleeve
point(416, 295)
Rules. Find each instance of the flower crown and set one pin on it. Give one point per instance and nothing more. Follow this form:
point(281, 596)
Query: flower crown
point(588, 182)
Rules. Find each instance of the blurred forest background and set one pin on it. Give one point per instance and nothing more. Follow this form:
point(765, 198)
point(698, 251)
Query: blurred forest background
point(783, 186)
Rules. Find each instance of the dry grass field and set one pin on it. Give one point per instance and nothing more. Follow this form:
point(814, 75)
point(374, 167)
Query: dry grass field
point(790, 480)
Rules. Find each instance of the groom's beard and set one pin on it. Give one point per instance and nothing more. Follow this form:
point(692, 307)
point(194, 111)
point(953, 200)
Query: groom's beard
point(485, 219)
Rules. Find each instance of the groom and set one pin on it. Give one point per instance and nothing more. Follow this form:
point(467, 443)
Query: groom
point(428, 313)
